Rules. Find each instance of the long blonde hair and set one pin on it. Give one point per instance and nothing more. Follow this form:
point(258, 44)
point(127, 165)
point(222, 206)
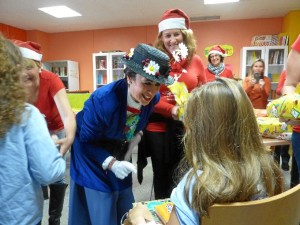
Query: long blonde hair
point(12, 94)
point(222, 140)
point(188, 39)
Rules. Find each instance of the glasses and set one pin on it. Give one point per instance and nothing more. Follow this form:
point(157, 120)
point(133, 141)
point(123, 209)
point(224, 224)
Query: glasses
point(214, 56)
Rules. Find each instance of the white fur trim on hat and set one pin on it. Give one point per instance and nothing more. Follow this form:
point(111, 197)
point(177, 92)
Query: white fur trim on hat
point(172, 23)
point(217, 52)
point(30, 54)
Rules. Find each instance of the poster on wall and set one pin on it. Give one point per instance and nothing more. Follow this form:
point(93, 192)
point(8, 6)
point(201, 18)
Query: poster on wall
point(228, 50)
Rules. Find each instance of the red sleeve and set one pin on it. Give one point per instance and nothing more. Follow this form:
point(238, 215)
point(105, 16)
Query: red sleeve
point(227, 73)
point(163, 107)
point(194, 76)
point(54, 82)
point(281, 83)
point(201, 74)
point(296, 44)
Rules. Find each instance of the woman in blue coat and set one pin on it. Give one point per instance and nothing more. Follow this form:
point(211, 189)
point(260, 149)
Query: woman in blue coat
point(107, 128)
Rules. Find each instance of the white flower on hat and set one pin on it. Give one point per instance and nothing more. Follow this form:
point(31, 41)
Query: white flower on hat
point(180, 53)
point(151, 68)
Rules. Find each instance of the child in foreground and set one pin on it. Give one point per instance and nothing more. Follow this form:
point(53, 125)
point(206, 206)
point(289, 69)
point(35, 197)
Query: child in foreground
point(225, 158)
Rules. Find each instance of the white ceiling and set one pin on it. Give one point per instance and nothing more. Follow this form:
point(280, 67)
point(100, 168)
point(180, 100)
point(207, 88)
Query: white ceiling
point(102, 14)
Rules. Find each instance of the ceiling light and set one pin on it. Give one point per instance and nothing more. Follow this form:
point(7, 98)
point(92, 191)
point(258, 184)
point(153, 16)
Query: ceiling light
point(207, 2)
point(60, 11)
point(199, 18)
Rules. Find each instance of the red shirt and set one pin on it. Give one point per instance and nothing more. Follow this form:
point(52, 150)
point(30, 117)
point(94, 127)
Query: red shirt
point(194, 76)
point(50, 84)
point(281, 82)
point(296, 44)
point(296, 47)
point(225, 73)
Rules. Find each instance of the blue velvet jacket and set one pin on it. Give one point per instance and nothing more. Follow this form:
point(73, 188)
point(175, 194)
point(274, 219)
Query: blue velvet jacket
point(103, 117)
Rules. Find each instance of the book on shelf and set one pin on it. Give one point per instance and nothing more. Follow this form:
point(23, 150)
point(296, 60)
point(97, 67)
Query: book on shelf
point(283, 39)
point(276, 57)
point(264, 40)
point(269, 40)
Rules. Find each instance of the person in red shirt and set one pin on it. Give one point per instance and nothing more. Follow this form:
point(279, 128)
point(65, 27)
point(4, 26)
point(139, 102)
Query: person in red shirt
point(47, 92)
point(216, 66)
point(293, 68)
point(257, 86)
point(282, 150)
point(292, 80)
point(162, 137)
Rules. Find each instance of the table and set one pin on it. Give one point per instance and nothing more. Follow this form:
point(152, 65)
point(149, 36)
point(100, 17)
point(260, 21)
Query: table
point(274, 142)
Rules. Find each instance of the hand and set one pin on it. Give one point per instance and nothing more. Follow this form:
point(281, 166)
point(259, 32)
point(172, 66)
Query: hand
point(139, 215)
point(174, 112)
point(292, 122)
point(122, 168)
point(133, 145)
point(261, 83)
point(252, 81)
point(65, 144)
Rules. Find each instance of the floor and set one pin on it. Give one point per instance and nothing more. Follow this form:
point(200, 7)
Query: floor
point(141, 192)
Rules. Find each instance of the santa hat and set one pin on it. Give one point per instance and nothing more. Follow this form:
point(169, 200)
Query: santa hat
point(174, 19)
point(217, 50)
point(29, 49)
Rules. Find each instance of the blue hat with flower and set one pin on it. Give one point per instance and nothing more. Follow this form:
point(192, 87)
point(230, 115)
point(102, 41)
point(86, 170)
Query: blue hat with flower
point(149, 62)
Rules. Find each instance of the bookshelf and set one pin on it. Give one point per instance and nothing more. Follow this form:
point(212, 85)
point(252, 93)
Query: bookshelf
point(67, 71)
point(275, 60)
point(107, 67)
point(274, 56)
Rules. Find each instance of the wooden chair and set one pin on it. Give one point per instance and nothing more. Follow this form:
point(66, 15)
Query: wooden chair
point(282, 209)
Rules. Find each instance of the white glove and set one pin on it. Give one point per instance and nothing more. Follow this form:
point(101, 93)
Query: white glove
point(133, 145)
point(122, 168)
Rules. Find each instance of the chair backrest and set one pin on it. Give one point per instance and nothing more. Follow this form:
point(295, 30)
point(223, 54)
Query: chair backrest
point(282, 209)
point(77, 100)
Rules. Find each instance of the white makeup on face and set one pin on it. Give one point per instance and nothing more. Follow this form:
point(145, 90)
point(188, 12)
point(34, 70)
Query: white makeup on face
point(142, 90)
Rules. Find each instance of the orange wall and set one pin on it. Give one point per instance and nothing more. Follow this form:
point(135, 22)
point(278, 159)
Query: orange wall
point(12, 32)
point(237, 33)
point(79, 46)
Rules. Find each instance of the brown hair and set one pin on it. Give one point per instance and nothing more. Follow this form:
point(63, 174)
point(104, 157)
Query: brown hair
point(12, 94)
point(223, 141)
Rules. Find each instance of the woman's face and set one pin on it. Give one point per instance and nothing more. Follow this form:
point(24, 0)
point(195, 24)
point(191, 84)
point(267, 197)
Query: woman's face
point(171, 39)
point(142, 90)
point(258, 67)
point(215, 59)
point(30, 80)
point(30, 77)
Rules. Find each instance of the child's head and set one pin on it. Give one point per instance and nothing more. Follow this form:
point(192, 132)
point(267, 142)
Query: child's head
point(219, 120)
point(222, 140)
